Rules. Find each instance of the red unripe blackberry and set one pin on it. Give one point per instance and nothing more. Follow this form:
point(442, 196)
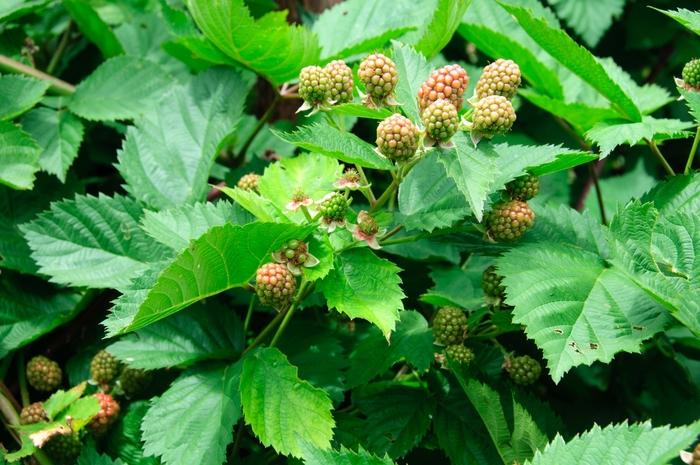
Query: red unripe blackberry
point(397, 137)
point(493, 115)
point(446, 83)
point(502, 77)
point(340, 76)
point(314, 85)
point(441, 120)
point(33, 413)
point(249, 182)
point(108, 414)
point(450, 326)
point(523, 370)
point(43, 374)
point(524, 187)
point(275, 285)
point(509, 220)
point(104, 367)
point(379, 75)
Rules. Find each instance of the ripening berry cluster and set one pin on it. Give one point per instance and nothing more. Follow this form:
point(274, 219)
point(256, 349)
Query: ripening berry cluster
point(509, 219)
point(322, 87)
point(450, 330)
point(523, 370)
point(112, 379)
point(493, 111)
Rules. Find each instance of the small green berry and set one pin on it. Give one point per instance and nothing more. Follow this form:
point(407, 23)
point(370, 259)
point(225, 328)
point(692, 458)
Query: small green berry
point(523, 370)
point(450, 326)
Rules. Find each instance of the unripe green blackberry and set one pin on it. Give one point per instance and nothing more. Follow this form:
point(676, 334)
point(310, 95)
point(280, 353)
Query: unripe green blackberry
point(524, 187)
point(397, 137)
point(33, 413)
point(63, 449)
point(104, 367)
point(294, 252)
point(509, 220)
point(450, 326)
point(249, 182)
point(441, 120)
point(502, 77)
point(691, 73)
point(523, 370)
point(446, 83)
point(134, 381)
point(44, 374)
point(379, 75)
point(314, 87)
point(340, 76)
point(108, 414)
point(333, 207)
point(491, 283)
point(275, 285)
point(493, 115)
point(459, 354)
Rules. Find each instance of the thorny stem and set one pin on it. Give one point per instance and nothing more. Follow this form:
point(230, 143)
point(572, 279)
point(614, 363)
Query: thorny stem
point(249, 313)
point(55, 84)
point(259, 125)
point(657, 153)
point(691, 155)
point(300, 295)
point(59, 50)
point(22, 377)
point(599, 194)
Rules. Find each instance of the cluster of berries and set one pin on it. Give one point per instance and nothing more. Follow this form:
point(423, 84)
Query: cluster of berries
point(690, 76)
point(45, 375)
point(510, 219)
point(323, 87)
point(450, 330)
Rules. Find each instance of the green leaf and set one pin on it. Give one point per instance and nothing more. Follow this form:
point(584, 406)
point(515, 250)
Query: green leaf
point(610, 134)
point(13, 9)
point(61, 400)
point(397, 417)
point(589, 19)
point(574, 308)
point(580, 115)
point(413, 70)
point(473, 170)
point(124, 440)
point(334, 143)
point(360, 111)
point(223, 258)
point(361, 285)
point(283, 410)
point(18, 94)
point(456, 287)
point(412, 341)
point(122, 87)
point(313, 173)
point(576, 58)
point(19, 157)
point(623, 444)
point(260, 207)
point(93, 27)
point(360, 26)
point(199, 333)
point(177, 226)
point(621, 189)
point(268, 45)
point(515, 160)
point(315, 456)
point(692, 100)
point(92, 241)
point(689, 19)
point(204, 400)
point(321, 248)
point(680, 193)
point(166, 158)
point(438, 32)
point(30, 308)
point(90, 456)
point(647, 97)
point(428, 199)
point(59, 134)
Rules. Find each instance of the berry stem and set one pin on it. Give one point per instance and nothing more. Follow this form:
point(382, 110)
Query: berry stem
point(60, 49)
point(657, 153)
point(249, 313)
point(307, 215)
point(391, 233)
point(259, 125)
point(58, 86)
point(367, 191)
point(263, 334)
point(598, 193)
point(691, 155)
point(22, 378)
point(290, 312)
point(386, 195)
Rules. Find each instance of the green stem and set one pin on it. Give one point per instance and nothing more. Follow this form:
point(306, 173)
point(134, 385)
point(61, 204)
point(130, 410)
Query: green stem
point(307, 215)
point(367, 190)
point(288, 316)
point(263, 334)
point(386, 195)
point(249, 313)
point(260, 124)
point(55, 84)
point(59, 50)
point(7, 409)
point(404, 239)
point(599, 193)
point(22, 378)
point(691, 155)
point(657, 153)
point(5, 365)
point(391, 233)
